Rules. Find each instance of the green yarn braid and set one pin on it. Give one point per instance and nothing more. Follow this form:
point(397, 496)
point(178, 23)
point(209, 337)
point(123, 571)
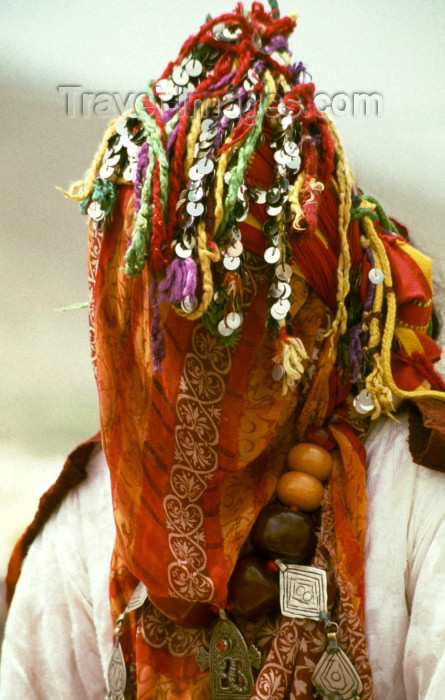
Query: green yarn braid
point(154, 138)
point(135, 255)
point(237, 173)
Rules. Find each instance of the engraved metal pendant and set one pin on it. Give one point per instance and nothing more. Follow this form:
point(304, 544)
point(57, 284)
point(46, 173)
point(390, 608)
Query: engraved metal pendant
point(334, 677)
point(230, 662)
point(303, 591)
point(117, 672)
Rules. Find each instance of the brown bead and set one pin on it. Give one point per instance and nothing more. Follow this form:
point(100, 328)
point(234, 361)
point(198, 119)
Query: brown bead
point(184, 613)
point(253, 589)
point(281, 533)
point(311, 459)
point(301, 490)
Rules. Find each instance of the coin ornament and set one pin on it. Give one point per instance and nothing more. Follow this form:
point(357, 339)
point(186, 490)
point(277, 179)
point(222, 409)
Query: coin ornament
point(364, 403)
point(230, 662)
point(376, 275)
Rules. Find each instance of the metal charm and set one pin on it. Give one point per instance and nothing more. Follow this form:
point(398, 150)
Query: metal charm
point(277, 372)
point(230, 662)
point(194, 68)
point(189, 304)
point(234, 320)
point(138, 598)
point(280, 309)
point(363, 403)
point(283, 272)
point(334, 677)
point(272, 255)
point(303, 591)
point(223, 328)
point(231, 263)
point(117, 672)
point(376, 275)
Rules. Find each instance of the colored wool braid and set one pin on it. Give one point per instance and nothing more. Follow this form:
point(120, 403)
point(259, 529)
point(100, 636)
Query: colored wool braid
point(344, 181)
point(141, 174)
point(237, 174)
point(173, 137)
point(81, 189)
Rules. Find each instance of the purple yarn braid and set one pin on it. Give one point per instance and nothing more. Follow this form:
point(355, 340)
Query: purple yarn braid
point(179, 281)
point(355, 352)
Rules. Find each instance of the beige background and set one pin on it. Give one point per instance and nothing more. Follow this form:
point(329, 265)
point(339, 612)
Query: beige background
point(48, 396)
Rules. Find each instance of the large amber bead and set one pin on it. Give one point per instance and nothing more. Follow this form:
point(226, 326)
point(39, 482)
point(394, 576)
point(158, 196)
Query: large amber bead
point(301, 490)
point(253, 589)
point(311, 459)
point(281, 533)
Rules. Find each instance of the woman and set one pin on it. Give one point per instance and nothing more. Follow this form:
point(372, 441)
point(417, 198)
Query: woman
point(248, 304)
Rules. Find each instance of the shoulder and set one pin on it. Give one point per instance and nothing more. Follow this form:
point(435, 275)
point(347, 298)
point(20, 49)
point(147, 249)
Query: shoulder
point(60, 607)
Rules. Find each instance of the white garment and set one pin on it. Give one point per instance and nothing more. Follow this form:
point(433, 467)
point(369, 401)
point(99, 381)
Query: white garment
point(405, 570)
point(58, 636)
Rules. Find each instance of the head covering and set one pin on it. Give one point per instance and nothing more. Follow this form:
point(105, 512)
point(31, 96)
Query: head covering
point(245, 295)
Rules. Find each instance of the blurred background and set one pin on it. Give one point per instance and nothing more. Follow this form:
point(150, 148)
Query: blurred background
point(396, 49)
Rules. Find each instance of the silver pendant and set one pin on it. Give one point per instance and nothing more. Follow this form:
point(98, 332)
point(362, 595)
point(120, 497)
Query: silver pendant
point(303, 591)
point(334, 677)
point(230, 662)
point(117, 674)
point(138, 598)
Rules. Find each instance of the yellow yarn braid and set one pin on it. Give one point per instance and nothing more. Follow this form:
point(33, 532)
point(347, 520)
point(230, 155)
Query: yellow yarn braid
point(82, 189)
point(345, 182)
point(294, 199)
point(192, 137)
point(293, 353)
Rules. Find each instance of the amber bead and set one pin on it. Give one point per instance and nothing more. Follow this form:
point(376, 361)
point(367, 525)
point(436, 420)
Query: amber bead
point(301, 490)
point(281, 533)
point(311, 459)
point(253, 589)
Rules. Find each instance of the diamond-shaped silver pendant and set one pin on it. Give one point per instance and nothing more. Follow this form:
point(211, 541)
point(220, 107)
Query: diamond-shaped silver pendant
point(303, 591)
